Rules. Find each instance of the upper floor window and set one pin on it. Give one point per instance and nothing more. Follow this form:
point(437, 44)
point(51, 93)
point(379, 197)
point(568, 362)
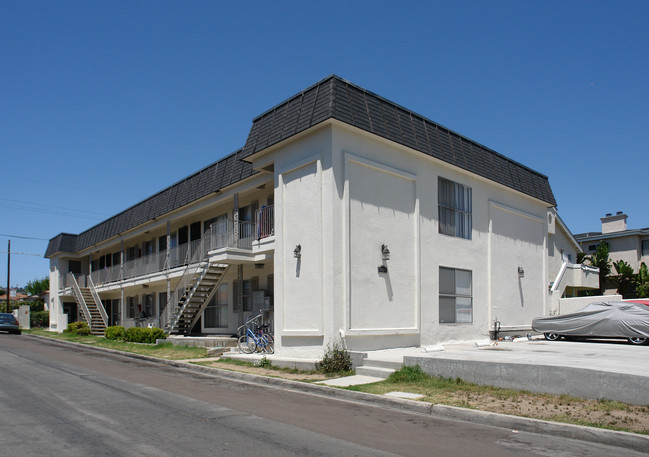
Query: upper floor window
point(645, 247)
point(454, 209)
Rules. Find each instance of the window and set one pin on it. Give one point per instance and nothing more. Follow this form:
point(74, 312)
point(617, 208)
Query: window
point(454, 209)
point(216, 312)
point(592, 247)
point(645, 247)
point(148, 306)
point(130, 307)
point(249, 285)
point(455, 296)
point(162, 302)
point(147, 247)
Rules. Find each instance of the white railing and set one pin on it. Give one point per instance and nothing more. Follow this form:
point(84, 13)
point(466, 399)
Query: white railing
point(189, 281)
point(221, 234)
point(76, 291)
point(98, 303)
point(265, 221)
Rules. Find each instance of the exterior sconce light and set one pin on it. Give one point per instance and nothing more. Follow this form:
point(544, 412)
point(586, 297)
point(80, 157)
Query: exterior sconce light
point(385, 255)
point(297, 252)
point(385, 252)
point(521, 272)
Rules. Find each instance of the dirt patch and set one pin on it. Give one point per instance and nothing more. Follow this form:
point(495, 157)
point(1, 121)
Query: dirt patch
point(609, 414)
point(295, 376)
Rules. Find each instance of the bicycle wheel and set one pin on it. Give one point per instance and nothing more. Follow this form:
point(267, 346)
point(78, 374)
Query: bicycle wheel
point(246, 344)
point(269, 344)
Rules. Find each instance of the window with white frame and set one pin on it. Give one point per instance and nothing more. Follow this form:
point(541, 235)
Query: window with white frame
point(455, 296)
point(216, 312)
point(455, 208)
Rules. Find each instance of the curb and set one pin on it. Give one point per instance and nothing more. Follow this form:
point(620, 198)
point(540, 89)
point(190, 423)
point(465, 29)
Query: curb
point(626, 440)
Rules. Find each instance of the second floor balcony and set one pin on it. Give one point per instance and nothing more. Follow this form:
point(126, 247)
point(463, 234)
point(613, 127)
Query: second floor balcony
point(222, 235)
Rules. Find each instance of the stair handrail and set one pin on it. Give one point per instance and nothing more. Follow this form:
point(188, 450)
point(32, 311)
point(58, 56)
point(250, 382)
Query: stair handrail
point(194, 261)
point(76, 291)
point(98, 303)
point(211, 294)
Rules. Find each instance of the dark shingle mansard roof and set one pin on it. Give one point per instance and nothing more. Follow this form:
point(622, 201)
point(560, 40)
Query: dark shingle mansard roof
point(336, 98)
point(212, 178)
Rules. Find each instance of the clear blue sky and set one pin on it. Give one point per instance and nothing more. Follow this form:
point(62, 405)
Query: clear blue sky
point(105, 103)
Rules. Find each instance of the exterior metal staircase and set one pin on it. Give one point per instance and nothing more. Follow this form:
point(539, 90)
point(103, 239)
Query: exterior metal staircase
point(97, 324)
point(197, 289)
point(93, 312)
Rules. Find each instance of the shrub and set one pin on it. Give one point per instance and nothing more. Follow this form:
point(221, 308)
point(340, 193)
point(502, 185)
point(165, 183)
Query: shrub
point(39, 318)
point(144, 335)
point(115, 332)
point(78, 328)
point(156, 334)
point(135, 335)
point(336, 359)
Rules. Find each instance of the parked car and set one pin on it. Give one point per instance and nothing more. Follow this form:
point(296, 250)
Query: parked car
point(8, 323)
point(626, 320)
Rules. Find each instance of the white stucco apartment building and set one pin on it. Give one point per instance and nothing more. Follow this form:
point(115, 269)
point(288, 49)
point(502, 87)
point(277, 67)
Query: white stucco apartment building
point(343, 214)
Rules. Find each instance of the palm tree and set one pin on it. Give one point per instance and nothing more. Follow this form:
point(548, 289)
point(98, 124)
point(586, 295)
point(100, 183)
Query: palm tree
point(600, 260)
point(625, 279)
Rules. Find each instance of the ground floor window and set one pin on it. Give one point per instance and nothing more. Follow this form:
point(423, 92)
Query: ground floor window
point(249, 286)
point(216, 312)
point(148, 306)
point(131, 304)
point(455, 296)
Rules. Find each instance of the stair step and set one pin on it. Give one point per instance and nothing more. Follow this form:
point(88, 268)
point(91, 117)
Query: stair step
point(377, 372)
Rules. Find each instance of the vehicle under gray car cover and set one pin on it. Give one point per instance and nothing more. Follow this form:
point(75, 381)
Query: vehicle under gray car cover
point(605, 319)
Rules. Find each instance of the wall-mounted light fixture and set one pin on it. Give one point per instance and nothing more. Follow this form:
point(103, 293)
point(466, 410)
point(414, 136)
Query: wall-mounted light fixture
point(385, 255)
point(385, 252)
point(297, 252)
point(521, 272)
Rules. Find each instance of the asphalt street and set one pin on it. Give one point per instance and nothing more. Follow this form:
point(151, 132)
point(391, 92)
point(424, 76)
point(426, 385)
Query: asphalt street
point(67, 401)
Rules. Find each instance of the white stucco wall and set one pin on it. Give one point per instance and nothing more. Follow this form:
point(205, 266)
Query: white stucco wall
point(372, 192)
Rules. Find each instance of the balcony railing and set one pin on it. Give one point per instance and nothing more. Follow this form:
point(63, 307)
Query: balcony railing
point(222, 234)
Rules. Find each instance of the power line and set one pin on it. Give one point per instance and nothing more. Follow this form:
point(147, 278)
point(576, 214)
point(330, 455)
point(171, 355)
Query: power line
point(55, 213)
point(74, 186)
point(21, 253)
point(24, 237)
point(49, 207)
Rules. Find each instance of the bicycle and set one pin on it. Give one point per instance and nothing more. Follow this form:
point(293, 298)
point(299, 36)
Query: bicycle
point(258, 340)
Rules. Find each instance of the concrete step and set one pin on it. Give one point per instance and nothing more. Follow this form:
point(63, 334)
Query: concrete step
point(378, 363)
point(376, 372)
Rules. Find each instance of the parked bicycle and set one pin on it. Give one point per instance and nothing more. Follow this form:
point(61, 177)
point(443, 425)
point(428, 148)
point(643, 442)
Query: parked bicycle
point(257, 340)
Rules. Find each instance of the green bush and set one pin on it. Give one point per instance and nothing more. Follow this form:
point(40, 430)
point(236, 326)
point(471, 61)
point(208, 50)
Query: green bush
point(336, 359)
point(39, 318)
point(156, 333)
point(135, 335)
point(115, 332)
point(144, 335)
point(78, 328)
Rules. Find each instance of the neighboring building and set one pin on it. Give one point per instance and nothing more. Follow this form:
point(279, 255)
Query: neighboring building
point(630, 245)
point(343, 214)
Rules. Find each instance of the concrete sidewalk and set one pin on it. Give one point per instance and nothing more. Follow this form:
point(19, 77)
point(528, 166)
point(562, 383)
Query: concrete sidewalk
point(596, 370)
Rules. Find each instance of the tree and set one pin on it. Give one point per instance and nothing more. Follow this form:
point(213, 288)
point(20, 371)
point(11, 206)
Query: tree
point(600, 260)
point(642, 281)
point(37, 286)
point(625, 279)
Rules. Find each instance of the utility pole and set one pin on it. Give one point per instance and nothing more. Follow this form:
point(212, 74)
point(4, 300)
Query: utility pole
point(8, 275)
